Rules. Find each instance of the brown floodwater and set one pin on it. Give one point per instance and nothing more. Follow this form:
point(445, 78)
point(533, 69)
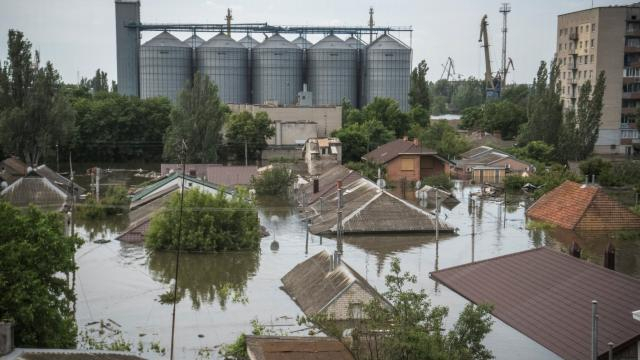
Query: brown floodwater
point(220, 294)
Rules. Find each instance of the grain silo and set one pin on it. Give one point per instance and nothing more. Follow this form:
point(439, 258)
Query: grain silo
point(226, 63)
point(194, 41)
point(276, 71)
point(361, 61)
point(165, 66)
point(333, 71)
point(387, 71)
point(302, 43)
point(248, 42)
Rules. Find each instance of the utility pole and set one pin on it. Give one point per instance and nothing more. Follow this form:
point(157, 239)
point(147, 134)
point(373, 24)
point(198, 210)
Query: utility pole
point(246, 161)
point(57, 158)
point(371, 23)
point(228, 18)
point(505, 10)
point(98, 171)
point(339, 224)
point(594, 330)
point(473, 229)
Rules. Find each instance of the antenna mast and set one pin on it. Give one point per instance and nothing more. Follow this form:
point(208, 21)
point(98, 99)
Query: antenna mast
point(505, 10)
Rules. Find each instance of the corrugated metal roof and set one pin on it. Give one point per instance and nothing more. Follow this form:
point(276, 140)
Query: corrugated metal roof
point(571, 205)
point(231, 176)
point(276, 42)
point(61, 181)
point(331, 42)
point(313, 285)
point(296, 348)
point(68, 354)
point(389, 151)
point(248, 42)
point(546, 295)
point(470, 154)
point(222, 41)
point(302, 43)
point(327, 182)
point(198, 40)
point(142, 193)
point(386, 42)
point(165, 39)
point(37, 190)
point(355, 43)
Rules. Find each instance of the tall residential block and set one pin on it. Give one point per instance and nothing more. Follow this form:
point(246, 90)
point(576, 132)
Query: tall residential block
point(128, 47)
point(604, 39)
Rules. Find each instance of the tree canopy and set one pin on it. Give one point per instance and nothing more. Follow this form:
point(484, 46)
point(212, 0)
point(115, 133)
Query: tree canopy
point(243, 128)
point(34, 254)
point(419, 89)
point(198, 118)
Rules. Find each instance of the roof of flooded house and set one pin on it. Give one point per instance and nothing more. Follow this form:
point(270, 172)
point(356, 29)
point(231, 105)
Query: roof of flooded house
point(140, 216)
point(12, 168)
point(231, 176)
point(475, 152)
point(36, 190)
point(59, 180)
point(157, 184)
point(578, 206)
point(313, 285)
point(546, 295)
point(68, 354)
point(369, 209)
point(199, 169)
point(389, 151)
point(328, 180)
point(296, 348)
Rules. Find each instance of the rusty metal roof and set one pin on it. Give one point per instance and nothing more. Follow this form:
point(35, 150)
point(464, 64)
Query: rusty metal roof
point(296, 348)
point(389, 151)
point(231, 176)
point(578, 206)
point(327, 182)
point(34, 189)
point(547, 296)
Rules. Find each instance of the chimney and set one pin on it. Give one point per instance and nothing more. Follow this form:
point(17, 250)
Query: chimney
point(316, 185)
point(416, 142)
point(405, 138)
point(575, 250)
point(610, 257)
point(6, 337)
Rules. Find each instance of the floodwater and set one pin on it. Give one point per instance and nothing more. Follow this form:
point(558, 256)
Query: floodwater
point(220, 294)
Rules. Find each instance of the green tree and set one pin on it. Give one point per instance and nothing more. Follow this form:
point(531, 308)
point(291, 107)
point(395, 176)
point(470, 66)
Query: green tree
point(503, 116)
point(535, 150)
point(581, 126)
point(198, 119)
point(99, 82)
point(34, 253)
point(467, 93)
point(36, 115)
point(411, 328)
point(209, 223)
point(359, 138)
point(244, 128)
point(275, 181)
point(387, 111)
point(419, 89)
point(517, 94)
point(544, 111)
point(441, 137)
point(472, 118)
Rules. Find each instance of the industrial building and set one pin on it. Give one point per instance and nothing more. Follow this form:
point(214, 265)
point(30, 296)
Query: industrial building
point(604, 39)
point(275, 71)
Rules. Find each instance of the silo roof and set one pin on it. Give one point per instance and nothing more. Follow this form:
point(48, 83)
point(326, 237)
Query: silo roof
point(331, 42)
point(248, 41)
point(222, 41)
point(355, 43)
point(386, 42)
point(190, 39)
point(165, 39)
point(277, 42)
point(302, 43)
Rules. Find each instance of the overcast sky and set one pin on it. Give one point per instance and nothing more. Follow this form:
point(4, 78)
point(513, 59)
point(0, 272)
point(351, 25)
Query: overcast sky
point(78, 36)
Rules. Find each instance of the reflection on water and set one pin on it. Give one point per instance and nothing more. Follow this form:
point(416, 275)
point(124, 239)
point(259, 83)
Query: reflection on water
point(92, 230)
point(206, 277)
point(275, 206)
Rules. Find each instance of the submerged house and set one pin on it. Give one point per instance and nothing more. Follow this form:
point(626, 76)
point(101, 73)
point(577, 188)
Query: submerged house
point(37, 190)
point(408, 159)
point(228, 176)
point(547, 296)
point(368, 209)
point(296, 347)
point(174, 181)
point(576, 206)
point(11, 169)
point(319, 285)
point(321, 154)
point(486, 165)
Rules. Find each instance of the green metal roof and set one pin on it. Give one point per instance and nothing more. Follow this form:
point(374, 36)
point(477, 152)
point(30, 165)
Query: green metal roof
point(167, 179)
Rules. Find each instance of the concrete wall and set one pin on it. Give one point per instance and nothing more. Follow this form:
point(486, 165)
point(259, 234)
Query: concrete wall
point(432, 166)
point(128, 48)
point(339, 309)
point(514, 165)
point(488, 176)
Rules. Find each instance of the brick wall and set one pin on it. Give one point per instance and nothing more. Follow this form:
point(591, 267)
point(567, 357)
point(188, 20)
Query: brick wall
point(339, 309)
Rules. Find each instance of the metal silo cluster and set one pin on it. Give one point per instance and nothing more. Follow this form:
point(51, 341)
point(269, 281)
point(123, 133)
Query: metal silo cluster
point(276, 67)
point(387, 67)
point(332, 71)
point(226, 62)
point(165, 66)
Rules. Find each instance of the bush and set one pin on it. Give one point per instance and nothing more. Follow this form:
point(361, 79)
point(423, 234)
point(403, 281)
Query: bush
point(441, 181)
point(367, 169)
point(536, 151)
point(209, 223)
point(515, 182)
point(274, 181)
point(620, 174)
point(636, 209)
point(594, 166)
point(115, 202)
point(549, 179)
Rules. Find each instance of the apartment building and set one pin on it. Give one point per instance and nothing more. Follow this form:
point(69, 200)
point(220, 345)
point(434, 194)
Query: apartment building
point(604, 39)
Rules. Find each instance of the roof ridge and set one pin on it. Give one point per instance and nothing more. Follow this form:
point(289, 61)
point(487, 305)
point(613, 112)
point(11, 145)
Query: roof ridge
point(489, 259)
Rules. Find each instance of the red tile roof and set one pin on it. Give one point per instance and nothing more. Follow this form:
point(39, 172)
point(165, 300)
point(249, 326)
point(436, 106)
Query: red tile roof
point(547, 296)
point(389, 151)
point(575, 206)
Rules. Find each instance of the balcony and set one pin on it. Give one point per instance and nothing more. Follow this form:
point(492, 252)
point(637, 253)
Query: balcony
point(573, 36)
point(629, 111)
point(631, 50)
point(631, 95)
point(632, 33)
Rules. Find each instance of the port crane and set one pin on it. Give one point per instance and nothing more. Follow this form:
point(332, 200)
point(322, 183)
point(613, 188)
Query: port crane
point(491, 83)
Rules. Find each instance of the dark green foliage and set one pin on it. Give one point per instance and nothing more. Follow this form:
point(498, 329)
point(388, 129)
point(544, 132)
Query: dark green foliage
point(411, 328)
point(516, 94)
point(209, 223)
point(581, 126)
point(549, 179)
point(114, 202)
point(198, 119)
point(441, 137)
point(238, 349)
point(34, 114)
point(535, 151)
point(472, 118)
point(111, 127)
point(544, 110)
point(99, 83)
point(440, 181)
point(594, 166)
point(505, 117)
point(467, 93)
point(387, 111)
point(367, 169)
point(34, 257)
point(419, 90)
point(515, 182)
point(621, 174)
point(359, 138)
point(254, 130)
point(274, 181)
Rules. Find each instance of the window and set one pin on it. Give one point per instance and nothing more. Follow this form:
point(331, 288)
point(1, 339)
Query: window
point(356, 311)
point(592, 43)
point(593, 27)
point(406, 165)
point(592, 59)
point(563, 76)
point(580, 44)
point(590, 73)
